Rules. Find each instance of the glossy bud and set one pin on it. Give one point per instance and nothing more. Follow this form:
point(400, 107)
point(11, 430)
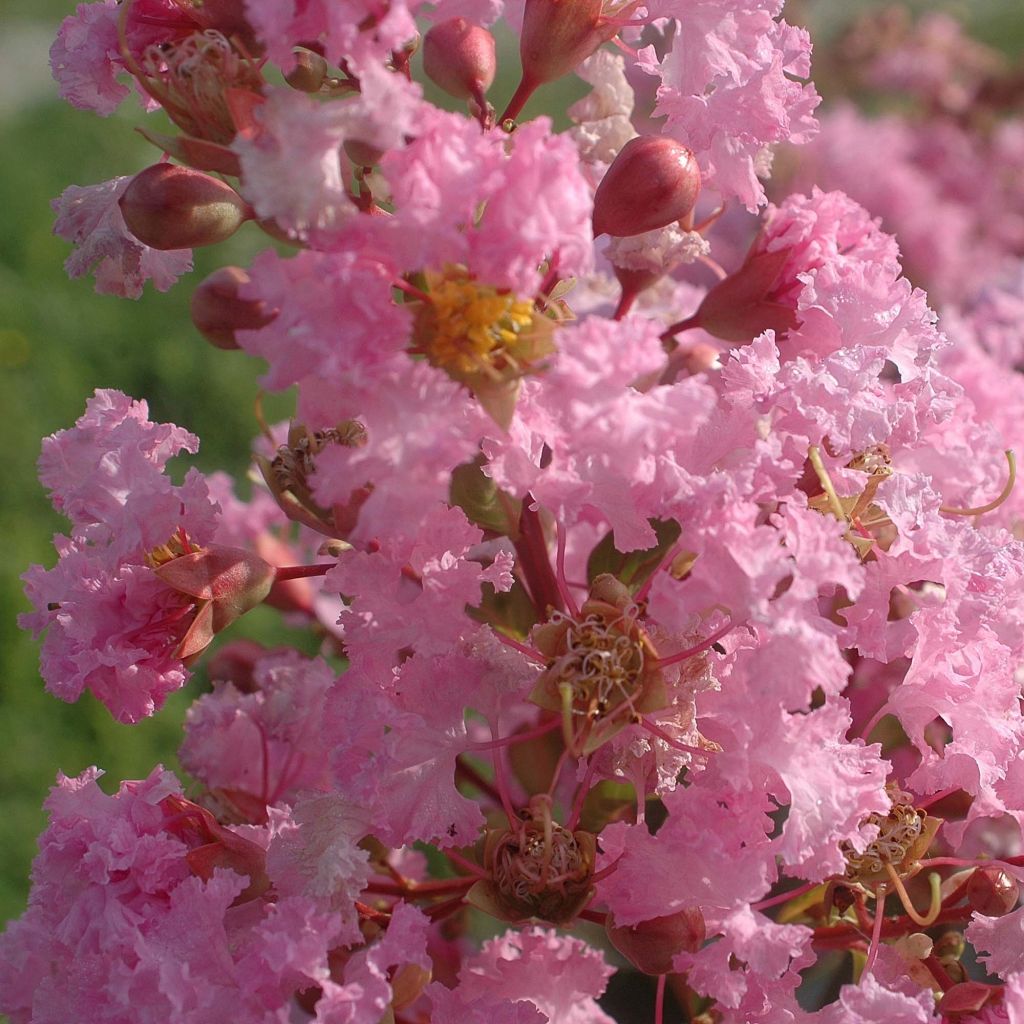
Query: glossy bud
point(653, 181)
point(218, 309)
point(558, 35)
point(459, 57)
point(171, 207)
point(992, 891)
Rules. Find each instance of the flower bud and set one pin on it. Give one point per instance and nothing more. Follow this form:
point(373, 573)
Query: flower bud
point(992, 891)
point(459, 57)
point(558, 35)
point(171, 207)
point(218, 310)
point(309, 73)
point(362, 154)
point(651, 946)
point(652, 182)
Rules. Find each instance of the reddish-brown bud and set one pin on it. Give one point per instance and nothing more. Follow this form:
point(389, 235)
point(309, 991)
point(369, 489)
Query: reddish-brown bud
point(744, 304)
point(459, 57)
point(558, 35)
point(309, 73)
point(992, 891)
point(224, 582)
point(218, 309)
point(653, 181)
point(652, 945)
point(362, 154)
point(171, 207)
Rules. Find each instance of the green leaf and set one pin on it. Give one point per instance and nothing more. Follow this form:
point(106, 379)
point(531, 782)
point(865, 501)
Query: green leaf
point(635, 568)
point(484, 503)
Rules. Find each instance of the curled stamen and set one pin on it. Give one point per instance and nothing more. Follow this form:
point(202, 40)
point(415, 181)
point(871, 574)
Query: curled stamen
point(936, 897)
point(1005, 493)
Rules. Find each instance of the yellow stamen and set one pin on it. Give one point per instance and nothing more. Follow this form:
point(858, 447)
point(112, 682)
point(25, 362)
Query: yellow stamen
point(474, 327)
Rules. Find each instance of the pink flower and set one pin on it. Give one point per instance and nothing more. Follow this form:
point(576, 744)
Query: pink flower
point(411, 591)
point(560, 975)
point(730, 87)
point(85, 58)
point(354, 31)
point(89, 217)
point(538, 205)
point(133, 918)
point(293, 166)
point(135, 592)
point(261, 748)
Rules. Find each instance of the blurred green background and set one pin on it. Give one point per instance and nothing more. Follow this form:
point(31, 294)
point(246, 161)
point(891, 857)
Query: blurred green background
point(59, 341)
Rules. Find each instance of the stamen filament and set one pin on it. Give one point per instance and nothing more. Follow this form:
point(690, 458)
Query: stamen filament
point(700, 648)
point(936, 902)
point(784, 897)
point(563, 587)
point(1011, 462)
point(516, 737)
point(876, 932)
point(521, 648)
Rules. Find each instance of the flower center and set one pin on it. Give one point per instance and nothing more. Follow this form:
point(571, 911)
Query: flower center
point(539, 868)
point(602, 664)
point(900, 834)
point(469, 328)
point(190, 77)
point(178, 545)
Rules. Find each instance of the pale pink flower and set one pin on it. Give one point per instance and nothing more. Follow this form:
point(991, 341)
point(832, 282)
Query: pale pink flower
point(411, 590)
point(314, 853)
point(353, 30)
point(113, 625)
point(560, 975)
point(107, 475)
point(602, 117)
point(872, 1003)
point(538, 205)
point(730, 85)
point(120, 926)
point(86, 59)
point(261, 748)
point(294, 169)
point(89, 217)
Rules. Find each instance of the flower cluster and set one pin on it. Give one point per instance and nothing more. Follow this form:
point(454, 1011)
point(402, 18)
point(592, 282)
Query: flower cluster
point(689, 609)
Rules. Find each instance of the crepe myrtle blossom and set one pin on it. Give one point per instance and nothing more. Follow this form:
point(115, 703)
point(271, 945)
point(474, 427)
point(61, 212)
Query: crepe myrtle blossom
point(138, 590)
point(669, 586)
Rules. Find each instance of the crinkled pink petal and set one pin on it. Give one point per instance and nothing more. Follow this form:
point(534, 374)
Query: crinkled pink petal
point(89, 217)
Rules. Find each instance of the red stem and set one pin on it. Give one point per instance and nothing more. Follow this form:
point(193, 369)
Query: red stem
point(515, 105)
point(938, 972)
point(626, 300)
point(414, 890)
point(299, 572)
point(469, 774)
point(532, 549)
point(684, 325)
point(843, 936)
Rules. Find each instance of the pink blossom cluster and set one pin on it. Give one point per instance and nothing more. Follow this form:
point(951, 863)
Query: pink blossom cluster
point(669, 626)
